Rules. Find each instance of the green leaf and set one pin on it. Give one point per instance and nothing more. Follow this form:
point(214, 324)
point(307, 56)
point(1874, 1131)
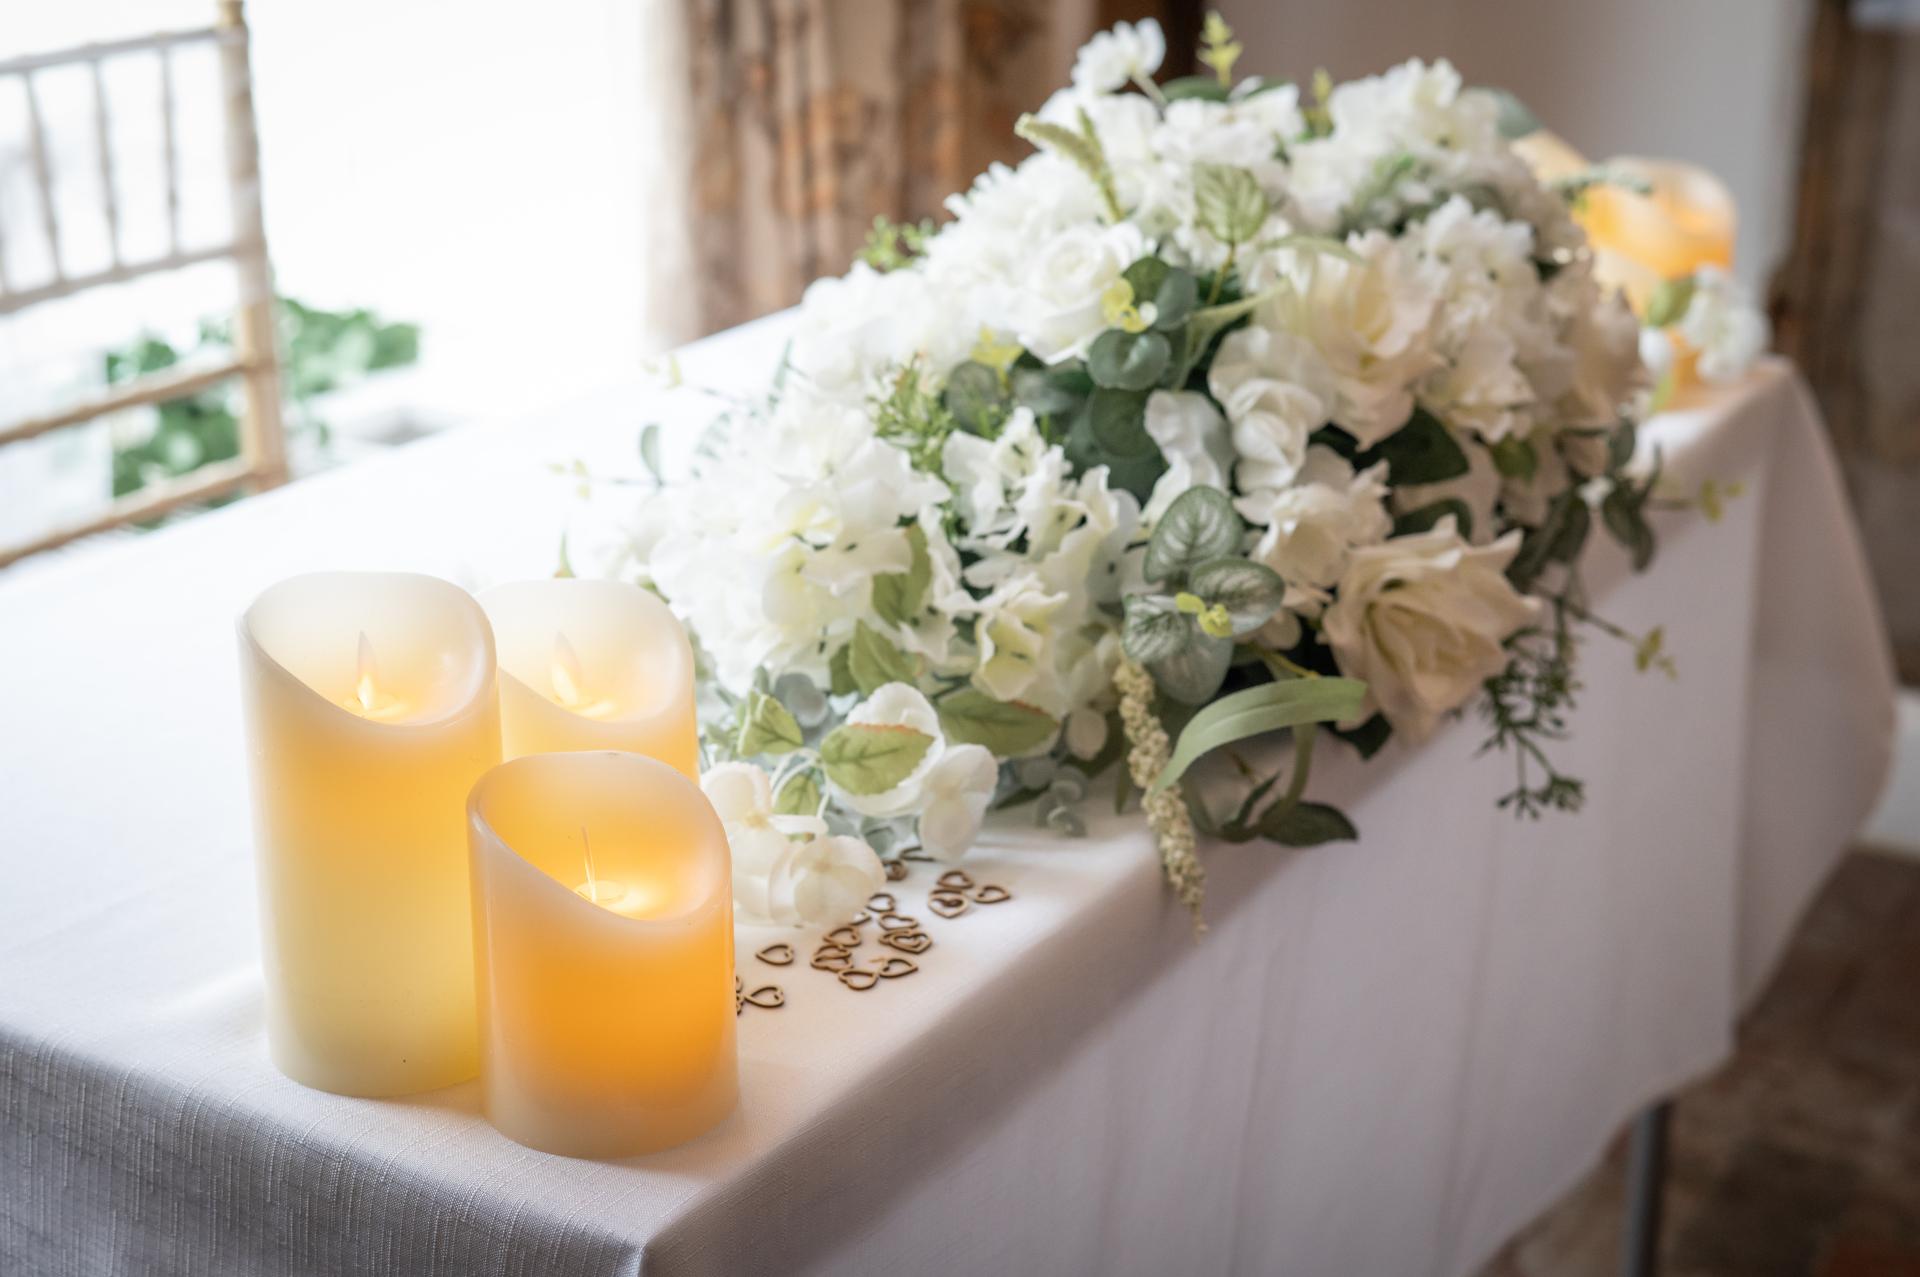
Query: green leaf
point(1154, 630)
point(1205, 87)
point(1422, 451)
point(1572, 535)
point(1117, 421)
point(1622, 514)
point(1421, 520)
point(799, 795)
point(866, 758)
point(1621, 445)
point(1171, 291)
point(1122, 360)
point(1369, 738)
point(1256, 710)
point(1051, 392)
point(650, 451)
point(1199, 525)
point(976, 397)
point(874, 661)
point(1194, 674)
point(1669, 303)
point(1008, 728)
point(840, 672)
point(1228, 202)
point(1307, 825)
point(1515, 120)
point(767, 727)
point(1515, 458)
point(1082, 149)
point(899, 596)
point(1251, 592)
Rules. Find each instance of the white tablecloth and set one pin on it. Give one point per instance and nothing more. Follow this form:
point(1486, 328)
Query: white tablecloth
point(1382, 1059)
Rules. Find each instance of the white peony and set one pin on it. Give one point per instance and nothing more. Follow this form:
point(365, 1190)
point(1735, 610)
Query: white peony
point(959, 789)
point(786, 869)
point(1724, 325)
point(1369, 320)
point(1422, 619)
point(1131, 51)
point(1056, 310)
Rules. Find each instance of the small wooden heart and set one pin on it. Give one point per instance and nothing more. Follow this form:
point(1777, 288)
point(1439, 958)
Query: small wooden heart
point(767, 997)
point(907, 941)
point(948, 904)
point(831, 958)
point(896, 870)
point(847, 937)
point(955, 880)
point(859, 981)
point(989, 894)
point(775, 955)
point(874, 902)
point(897, 922)
point(894, 968)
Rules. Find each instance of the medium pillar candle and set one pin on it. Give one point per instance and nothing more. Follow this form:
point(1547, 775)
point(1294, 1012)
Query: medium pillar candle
point(1684, 221)
point(370, 711)
point(590, 664)
point(603, 922)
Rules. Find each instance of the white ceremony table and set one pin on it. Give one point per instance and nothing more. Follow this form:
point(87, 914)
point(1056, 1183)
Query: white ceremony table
point(1383, 1058)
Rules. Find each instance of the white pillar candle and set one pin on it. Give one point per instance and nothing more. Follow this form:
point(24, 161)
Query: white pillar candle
point(603, 924)
point(590, 664)
point(370, 712)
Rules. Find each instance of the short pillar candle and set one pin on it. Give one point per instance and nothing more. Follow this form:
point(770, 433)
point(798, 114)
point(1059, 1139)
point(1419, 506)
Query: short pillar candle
point(370, 711)
point(603, 927)
point(587, 664)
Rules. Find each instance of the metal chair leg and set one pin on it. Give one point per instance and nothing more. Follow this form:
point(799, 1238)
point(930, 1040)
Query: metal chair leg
point(1646, 1184)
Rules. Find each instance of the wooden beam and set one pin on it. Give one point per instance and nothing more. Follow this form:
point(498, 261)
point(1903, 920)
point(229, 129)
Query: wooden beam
point(158, 387)
point(149, 503)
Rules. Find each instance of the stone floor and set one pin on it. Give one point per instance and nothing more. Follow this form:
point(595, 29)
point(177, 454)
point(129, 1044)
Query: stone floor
point(1800, 1157)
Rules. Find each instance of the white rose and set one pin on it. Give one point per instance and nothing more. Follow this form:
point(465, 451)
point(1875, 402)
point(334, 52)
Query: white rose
point(1422, 620)
point(1057, 312)
point(958, 791)
point(897, 705)
point(1112, 58)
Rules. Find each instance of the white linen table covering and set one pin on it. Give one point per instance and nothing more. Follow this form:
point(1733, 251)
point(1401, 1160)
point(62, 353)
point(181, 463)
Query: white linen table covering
point(1382, 1059)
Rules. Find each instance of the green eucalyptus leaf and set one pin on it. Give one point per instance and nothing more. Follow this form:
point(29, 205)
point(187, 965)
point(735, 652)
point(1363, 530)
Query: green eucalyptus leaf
point(650, 451)
point(1572, 535)
point(767, 727)
point(1200, 524)
point(976, 397)
point(1251, 592)
point(874, 661)
point(1205, 87)
point(1228, 202)
point(1122, 360)
point(1117, 422)
point(1051, 392)
point(1621, 445)
point(1194, 674)
point(1307, 825)
point(1171, 292)
point(1423, 519)
point(866, 758)
point(1669, 303)
point(899, 596)
point(1008, 728)
point(1257, 710)
point(1514, 119)
point(1155, 630)
point(799, 795)
point(1422, 451)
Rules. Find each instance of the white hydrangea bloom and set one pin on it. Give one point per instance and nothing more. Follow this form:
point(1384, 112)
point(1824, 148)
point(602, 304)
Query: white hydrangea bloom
point(1309, 530)
point(1277, 390)
point(787, 870)
point(959, 788)
point(1724, 325)
point(1132, 50)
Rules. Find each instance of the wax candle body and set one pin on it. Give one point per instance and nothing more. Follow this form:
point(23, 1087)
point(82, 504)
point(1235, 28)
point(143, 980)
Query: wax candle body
point(1684, 221)
point(371, 710)
point(590, 664)
point(605, 1030)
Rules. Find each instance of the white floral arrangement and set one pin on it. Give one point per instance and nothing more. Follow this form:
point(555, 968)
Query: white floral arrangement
point(1232, 410)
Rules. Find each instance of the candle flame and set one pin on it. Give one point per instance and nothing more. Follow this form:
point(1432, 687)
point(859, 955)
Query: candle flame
point(367, 690)
point(567, 676)
point(593, 883)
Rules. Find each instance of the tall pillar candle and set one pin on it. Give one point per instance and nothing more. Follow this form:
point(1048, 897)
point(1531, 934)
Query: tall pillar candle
point(370, 710)
point(590, 664)
point(603, 925)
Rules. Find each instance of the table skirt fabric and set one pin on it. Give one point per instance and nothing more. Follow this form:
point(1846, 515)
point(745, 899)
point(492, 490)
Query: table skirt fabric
point(1383, 1057)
